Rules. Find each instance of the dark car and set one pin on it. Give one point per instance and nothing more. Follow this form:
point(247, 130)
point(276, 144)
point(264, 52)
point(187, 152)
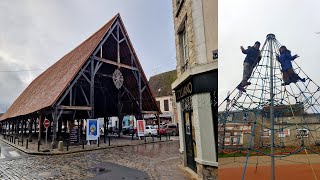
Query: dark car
point(113, 130)
point(127, 130)
point(172, 129)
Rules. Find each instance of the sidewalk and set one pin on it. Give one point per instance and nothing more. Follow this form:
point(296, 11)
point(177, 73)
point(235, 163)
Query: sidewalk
point(115, 141)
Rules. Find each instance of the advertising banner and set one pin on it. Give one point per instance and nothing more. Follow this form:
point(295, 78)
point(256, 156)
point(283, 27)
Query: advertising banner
point(140, 127)
point(93, 131)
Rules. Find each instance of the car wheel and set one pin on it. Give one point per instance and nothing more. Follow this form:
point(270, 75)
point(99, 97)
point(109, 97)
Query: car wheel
point(174, 133)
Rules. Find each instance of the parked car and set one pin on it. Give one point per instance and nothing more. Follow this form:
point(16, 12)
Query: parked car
point(162, 130)
point(172, 129)
point(150, 131)
point(113, 130)
point(128, 130)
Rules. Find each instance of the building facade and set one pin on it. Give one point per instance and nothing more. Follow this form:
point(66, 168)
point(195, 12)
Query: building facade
point(235, 129)
point(195, 90)
point(160, 85)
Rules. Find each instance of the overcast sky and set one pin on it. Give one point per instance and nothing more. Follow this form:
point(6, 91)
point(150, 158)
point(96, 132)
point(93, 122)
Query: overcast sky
point(294, 22)
point(35, 34)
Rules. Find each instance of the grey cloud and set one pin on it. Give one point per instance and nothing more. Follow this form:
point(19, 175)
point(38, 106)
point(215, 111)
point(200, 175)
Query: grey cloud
point(10, 82)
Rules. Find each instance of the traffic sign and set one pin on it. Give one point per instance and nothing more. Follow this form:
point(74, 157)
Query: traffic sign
point(46, 123)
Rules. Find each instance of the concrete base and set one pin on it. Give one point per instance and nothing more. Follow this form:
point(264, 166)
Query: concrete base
point(207, 172)
point(60, 146)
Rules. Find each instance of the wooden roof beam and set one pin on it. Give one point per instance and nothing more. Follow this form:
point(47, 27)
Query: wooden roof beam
point(115, 63)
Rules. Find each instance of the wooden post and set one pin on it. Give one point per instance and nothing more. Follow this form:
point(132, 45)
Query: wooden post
point(105, 128)
point(35, 126)
point(25, 127)
point(41, 118)
point(59, 130)
point(81, 130)
point(30, 129)
point(158, 124)
point(78, 122)
point(54, 127)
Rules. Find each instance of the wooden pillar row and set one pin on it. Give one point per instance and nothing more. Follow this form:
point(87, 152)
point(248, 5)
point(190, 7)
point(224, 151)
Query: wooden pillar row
point(41, 128)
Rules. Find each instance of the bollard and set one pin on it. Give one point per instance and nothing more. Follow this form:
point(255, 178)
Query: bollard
point(98, 141)
point(38, 146)
point(82, 144)
point(14, 140)
point(166, 137)
point(145, 139)
point(27, 143)
point(160, 137)
point(132, 136)
point(152, 138)
point(68, 145)
point(104, 139)
point(22, 142)
point(109, 140)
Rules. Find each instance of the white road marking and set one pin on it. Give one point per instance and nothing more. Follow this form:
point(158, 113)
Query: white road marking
point(2, 156)
point(14, 153)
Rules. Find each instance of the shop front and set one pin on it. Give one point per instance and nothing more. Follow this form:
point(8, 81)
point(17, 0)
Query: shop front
point(196, 99)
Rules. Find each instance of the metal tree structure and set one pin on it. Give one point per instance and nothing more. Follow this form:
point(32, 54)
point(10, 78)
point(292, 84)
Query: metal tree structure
point(261, 118)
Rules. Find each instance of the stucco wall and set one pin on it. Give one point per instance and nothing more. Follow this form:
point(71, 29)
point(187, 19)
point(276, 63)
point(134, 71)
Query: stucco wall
point(210, 13)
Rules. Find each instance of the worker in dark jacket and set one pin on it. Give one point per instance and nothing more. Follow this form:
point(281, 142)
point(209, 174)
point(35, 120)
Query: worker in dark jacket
point(285, 59)
point(251, 60)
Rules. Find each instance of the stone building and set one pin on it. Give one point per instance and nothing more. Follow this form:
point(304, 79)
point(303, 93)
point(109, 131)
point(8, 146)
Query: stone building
point(160, 85)
point(289, 130)
point(195, 90)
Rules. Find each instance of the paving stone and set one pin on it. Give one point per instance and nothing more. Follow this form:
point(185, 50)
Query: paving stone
point(158, 161)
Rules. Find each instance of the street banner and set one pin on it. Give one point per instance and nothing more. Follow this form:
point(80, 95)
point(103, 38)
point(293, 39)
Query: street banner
point(92, 129)
point(140, 127)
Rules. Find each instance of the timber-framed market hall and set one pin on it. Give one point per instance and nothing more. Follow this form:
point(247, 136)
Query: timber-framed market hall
point(102, 77)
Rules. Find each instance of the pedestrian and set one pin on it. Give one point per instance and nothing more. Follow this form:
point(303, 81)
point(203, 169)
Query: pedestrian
point(252, 59)
point(288, 73)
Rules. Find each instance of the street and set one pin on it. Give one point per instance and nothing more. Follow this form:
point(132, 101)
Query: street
point(10, 153)
point(150, 161)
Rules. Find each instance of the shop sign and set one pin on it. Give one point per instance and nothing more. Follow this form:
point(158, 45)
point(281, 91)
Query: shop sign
point(184, 91)
point(93, 131)
point(74, 135)
point(140, 127)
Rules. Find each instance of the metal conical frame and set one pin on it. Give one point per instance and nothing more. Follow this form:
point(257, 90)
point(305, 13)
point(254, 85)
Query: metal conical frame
point(270, 38)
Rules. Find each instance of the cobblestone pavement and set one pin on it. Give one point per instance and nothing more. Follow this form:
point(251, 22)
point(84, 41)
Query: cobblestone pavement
point(158, 160)
point(8, 152)
point(45, 148)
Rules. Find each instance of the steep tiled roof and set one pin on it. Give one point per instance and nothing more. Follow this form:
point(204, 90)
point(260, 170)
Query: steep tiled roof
point(160, 84)
point(45, 90)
